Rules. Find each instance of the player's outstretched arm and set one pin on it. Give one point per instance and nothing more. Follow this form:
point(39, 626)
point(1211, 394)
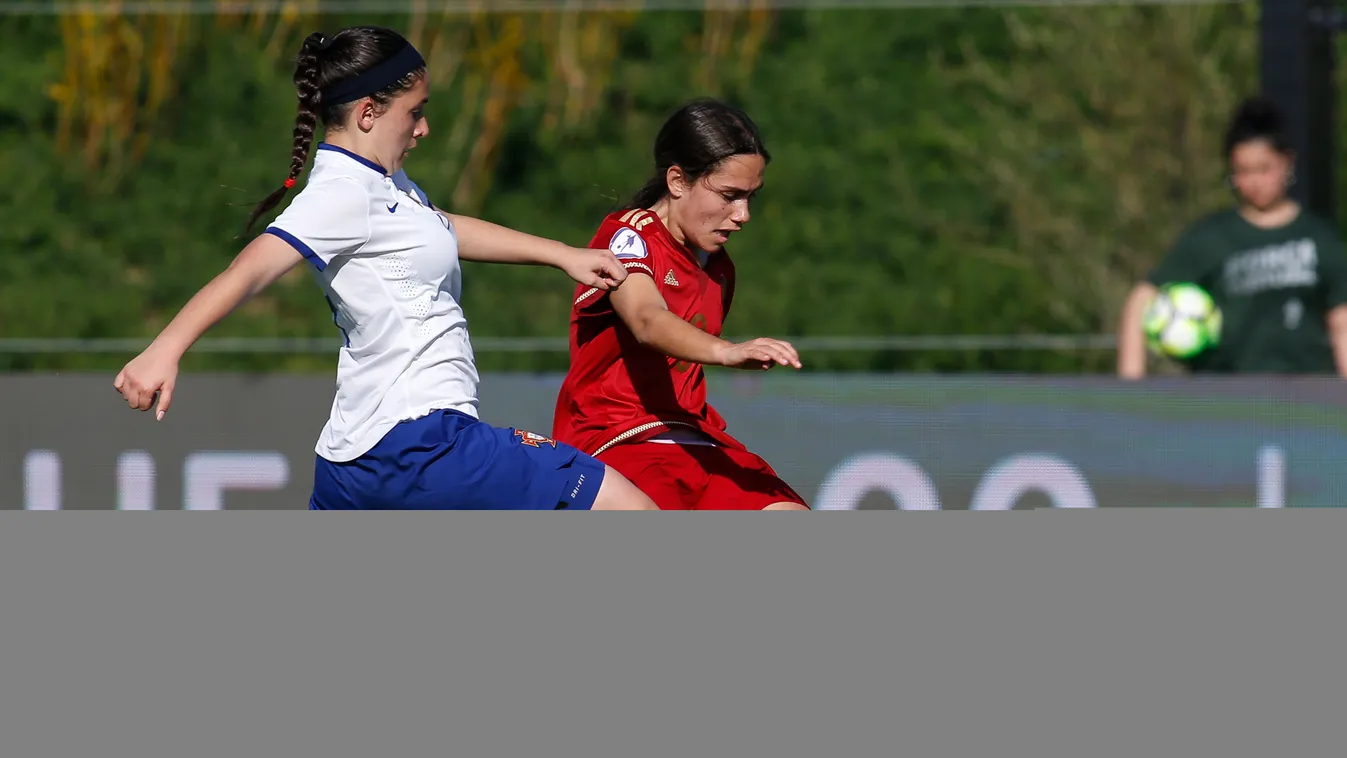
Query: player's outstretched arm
point(484, 241)
point(642, 308)
point(155, 370)
point(1131, 338)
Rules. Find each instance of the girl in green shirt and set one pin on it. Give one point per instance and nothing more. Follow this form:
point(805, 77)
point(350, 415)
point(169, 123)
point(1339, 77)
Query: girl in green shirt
point(1277, 271)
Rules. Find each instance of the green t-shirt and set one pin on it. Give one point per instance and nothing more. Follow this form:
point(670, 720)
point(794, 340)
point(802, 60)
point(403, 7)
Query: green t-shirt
point(1274, 287)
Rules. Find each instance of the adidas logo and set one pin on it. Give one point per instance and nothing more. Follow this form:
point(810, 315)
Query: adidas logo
point(670, 280)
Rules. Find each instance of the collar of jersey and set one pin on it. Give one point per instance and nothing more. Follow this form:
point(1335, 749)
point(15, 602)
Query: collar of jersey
point(366, 162)
point(687, 250)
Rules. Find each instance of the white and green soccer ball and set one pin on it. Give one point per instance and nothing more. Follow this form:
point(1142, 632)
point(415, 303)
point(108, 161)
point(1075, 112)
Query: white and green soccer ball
point(1182, 321)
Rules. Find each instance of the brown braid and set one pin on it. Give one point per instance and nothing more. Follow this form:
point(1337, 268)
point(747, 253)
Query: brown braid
point(307, 72)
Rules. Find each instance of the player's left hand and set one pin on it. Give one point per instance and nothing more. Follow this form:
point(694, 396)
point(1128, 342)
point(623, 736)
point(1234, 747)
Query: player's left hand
point(760, 354)
point(595, 268)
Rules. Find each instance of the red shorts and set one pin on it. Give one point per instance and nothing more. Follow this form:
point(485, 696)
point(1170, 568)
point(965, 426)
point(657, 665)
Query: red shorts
point(700, 477)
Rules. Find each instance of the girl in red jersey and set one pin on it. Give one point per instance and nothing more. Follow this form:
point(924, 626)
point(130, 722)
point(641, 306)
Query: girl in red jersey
point(635, 396)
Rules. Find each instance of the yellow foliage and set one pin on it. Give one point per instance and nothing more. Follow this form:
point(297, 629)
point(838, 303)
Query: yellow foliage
point(120, 69)
point(118, 73)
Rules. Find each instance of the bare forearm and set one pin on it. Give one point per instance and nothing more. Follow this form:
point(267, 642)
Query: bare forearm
point(1340, 353)
point(484, 241)
point(1337, 330)
point(207, 308)
point(1131, 340)
point(663, 331)
point(1131, 352)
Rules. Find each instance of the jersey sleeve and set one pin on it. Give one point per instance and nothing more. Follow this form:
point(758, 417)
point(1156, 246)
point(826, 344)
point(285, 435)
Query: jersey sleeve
point(1182, 263)
point(325, 221)
point(632, 251)
point(631, 248)
point(1332, 268)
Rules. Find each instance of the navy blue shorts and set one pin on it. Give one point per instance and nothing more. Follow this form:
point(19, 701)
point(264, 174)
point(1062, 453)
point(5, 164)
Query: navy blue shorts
point(452, 461)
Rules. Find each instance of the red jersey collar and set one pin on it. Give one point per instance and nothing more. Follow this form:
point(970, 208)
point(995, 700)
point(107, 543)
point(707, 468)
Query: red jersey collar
point(675, 244)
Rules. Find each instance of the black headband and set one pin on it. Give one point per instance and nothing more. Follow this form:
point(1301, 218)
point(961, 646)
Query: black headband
point(377, 78)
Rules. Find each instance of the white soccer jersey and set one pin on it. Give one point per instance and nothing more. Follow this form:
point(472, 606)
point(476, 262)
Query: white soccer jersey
point(388, 264)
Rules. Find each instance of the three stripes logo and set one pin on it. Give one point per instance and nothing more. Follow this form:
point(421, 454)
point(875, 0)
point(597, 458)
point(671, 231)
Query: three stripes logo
point(639, 219)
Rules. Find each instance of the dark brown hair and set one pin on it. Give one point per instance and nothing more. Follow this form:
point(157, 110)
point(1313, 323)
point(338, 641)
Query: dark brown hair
point(697, 138)
point(322, 62)
point(1257, 118)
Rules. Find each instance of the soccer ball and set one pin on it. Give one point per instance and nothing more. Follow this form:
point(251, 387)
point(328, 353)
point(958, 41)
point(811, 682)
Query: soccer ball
point(1182, 321)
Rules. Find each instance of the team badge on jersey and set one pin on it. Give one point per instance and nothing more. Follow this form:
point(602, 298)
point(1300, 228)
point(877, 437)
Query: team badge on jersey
point(533, 440)
point(627, 245)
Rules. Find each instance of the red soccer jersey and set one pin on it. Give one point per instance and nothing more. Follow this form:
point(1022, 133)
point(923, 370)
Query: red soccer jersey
point(617, 390)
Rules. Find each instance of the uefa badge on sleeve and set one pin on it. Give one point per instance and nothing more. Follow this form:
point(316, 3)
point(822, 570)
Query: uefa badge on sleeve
point(627, 245)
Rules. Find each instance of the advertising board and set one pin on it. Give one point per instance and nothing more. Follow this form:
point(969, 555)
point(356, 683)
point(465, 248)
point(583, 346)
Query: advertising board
point(844, 441)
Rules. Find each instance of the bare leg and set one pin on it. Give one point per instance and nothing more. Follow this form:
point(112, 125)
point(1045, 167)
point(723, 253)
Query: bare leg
point(617, 493)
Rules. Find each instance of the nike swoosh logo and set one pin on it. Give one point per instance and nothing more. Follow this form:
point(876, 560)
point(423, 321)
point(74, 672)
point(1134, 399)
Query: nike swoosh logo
point(393, 208)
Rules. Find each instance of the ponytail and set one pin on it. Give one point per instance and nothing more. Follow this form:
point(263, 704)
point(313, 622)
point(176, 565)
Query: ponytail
point(307, 73)
point(698, 138)
point(653, 191)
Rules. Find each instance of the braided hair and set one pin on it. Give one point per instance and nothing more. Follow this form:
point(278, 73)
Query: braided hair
point(323, 61)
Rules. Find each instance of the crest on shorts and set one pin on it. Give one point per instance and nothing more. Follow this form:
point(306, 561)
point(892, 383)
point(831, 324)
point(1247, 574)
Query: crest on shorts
point(533, 440)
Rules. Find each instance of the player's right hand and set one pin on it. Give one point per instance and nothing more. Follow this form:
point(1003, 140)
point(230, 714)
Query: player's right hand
point(148, 375)
point(595, 268)
point(762, 354)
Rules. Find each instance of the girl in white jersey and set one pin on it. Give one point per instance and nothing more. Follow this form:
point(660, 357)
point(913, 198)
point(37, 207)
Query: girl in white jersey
point(403, 433)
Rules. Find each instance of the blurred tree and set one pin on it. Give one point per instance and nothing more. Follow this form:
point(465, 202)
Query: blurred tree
point(128, 174)
point(120, 67)
point(1102, 141)
point(946, 171)
point(118, 73)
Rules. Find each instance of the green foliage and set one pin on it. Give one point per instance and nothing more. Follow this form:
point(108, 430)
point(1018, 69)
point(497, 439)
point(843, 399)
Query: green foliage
point(1104, 148)
point(935, 172)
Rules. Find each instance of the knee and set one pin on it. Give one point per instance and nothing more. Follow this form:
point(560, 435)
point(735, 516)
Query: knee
point(786, 507)
point(617, 493)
